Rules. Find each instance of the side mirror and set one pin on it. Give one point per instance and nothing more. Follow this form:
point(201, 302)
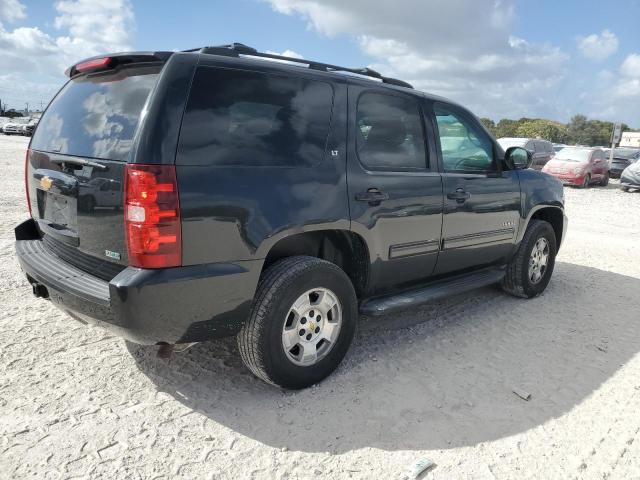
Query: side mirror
point(518, 158)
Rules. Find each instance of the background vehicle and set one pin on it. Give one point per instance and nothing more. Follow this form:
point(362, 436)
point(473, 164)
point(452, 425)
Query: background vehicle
point(558, 146)
point(622, 158)
point(630, 177)
point(542, 150)
point(12, 128)
point(579, 166)
point(27, 130)
point(15, 126)
point(238, 215)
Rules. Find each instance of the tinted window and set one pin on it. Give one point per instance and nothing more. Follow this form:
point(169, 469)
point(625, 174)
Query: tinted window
point(96, 116)
point(236, 117)
point(465, 147)
point(389, 132)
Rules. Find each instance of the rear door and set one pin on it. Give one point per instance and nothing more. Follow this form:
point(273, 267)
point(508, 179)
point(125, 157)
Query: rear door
point(481, 202)
point(76, 164)
point(395, 190)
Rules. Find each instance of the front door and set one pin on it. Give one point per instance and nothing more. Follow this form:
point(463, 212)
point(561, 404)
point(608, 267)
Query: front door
point(395, 190)
point(481, 202)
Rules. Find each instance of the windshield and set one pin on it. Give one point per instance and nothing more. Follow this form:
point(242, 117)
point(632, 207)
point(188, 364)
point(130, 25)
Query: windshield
point(96, 116)
point(626, 153)
point(512, 142)
point(570, 154)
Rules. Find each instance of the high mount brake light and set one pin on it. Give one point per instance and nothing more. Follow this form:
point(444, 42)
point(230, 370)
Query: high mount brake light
point(95, 64)
point(152, 216)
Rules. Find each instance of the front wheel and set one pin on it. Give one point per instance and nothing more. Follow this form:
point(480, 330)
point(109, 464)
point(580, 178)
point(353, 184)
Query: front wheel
point(529, 272)
point(586, 182)
point(301, 324)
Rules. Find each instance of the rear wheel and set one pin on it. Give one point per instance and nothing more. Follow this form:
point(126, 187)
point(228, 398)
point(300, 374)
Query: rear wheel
point(605, 180)
point(625, 189)
point(529, 272)
point(301, 324)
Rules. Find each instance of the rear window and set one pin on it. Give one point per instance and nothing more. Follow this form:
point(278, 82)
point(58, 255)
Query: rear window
point(241, 118)
point(96, 116)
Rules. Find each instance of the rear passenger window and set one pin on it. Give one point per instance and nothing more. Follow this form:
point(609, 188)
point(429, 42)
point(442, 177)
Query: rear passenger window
point(389, 133)
point(240, 118)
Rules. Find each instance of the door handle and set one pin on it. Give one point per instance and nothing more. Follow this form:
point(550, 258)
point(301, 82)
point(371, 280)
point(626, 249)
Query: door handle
point(373, 196)
point(459, 195)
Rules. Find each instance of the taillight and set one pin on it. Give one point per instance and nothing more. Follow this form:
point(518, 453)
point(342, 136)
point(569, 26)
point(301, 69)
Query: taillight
point(26, 180)
point(152, 216)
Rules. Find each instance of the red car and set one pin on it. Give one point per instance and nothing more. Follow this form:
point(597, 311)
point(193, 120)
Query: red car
point(579, 166)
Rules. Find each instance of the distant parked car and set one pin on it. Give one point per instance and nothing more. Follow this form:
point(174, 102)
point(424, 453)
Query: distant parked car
point(558, 146)
point(12, 128)
point(630, 177)
point(579, 166)
point(542, 150)
point(622, 158)
point(27, 130)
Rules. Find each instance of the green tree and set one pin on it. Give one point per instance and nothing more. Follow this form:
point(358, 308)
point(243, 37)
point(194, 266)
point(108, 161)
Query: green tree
point(489, 124)
point(545, 129)
point(506, 128)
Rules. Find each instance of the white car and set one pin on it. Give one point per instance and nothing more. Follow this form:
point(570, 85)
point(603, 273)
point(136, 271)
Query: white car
point(12, 128)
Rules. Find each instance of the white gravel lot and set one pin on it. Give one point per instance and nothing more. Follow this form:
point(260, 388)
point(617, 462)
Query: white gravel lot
point(437, 382)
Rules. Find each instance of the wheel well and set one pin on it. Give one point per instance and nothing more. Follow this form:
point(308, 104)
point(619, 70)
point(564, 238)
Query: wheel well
point(554, 217)
point(345, 249)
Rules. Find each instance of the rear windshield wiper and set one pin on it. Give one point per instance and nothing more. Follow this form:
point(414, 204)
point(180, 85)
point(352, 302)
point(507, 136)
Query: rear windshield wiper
point(80, 161)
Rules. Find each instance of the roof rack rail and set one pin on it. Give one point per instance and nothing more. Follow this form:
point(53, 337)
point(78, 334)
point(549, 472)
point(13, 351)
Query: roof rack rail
point(237, 49)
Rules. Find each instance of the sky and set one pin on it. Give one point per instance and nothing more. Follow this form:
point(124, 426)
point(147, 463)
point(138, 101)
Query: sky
point(500, 58)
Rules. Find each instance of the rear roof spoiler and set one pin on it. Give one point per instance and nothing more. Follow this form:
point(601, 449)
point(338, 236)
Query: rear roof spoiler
point(123, 58)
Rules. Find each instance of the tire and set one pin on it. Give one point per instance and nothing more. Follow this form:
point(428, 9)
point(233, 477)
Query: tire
point(624, 189)
point(517, 280)
point(261, 340)
point(586, 182)
point(605, 180)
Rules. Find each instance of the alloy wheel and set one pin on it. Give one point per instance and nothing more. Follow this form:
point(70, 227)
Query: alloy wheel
point(539, 260)
point(312, 326)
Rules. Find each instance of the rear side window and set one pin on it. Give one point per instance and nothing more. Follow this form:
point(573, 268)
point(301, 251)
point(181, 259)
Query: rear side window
point(96, 116)
point(389, 133)
point(241, 118)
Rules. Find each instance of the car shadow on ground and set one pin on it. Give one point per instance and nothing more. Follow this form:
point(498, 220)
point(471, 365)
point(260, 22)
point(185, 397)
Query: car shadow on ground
point(441, 376)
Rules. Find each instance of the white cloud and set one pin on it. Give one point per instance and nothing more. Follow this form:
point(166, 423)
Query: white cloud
point(631, 66)
point(35, 60)
point(461, 49)
point(598, 47)
point(12, 10)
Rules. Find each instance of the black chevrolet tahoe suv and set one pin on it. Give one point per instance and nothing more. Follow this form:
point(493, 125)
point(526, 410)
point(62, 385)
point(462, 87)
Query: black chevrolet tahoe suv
point(177, 197)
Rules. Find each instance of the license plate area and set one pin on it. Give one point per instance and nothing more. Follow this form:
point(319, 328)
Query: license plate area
point(58, 216)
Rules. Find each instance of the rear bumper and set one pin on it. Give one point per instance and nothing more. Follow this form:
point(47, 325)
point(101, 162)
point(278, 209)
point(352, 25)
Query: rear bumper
point(629, 184)
point(174, 305)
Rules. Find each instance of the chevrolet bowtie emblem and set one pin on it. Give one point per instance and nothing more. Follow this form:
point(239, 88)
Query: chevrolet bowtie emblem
point(46, 182)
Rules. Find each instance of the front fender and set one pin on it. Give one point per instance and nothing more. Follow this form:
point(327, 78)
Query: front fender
point(540, 191)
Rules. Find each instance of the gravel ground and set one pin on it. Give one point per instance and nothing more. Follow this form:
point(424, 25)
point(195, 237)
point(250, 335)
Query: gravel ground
point(436, 382)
